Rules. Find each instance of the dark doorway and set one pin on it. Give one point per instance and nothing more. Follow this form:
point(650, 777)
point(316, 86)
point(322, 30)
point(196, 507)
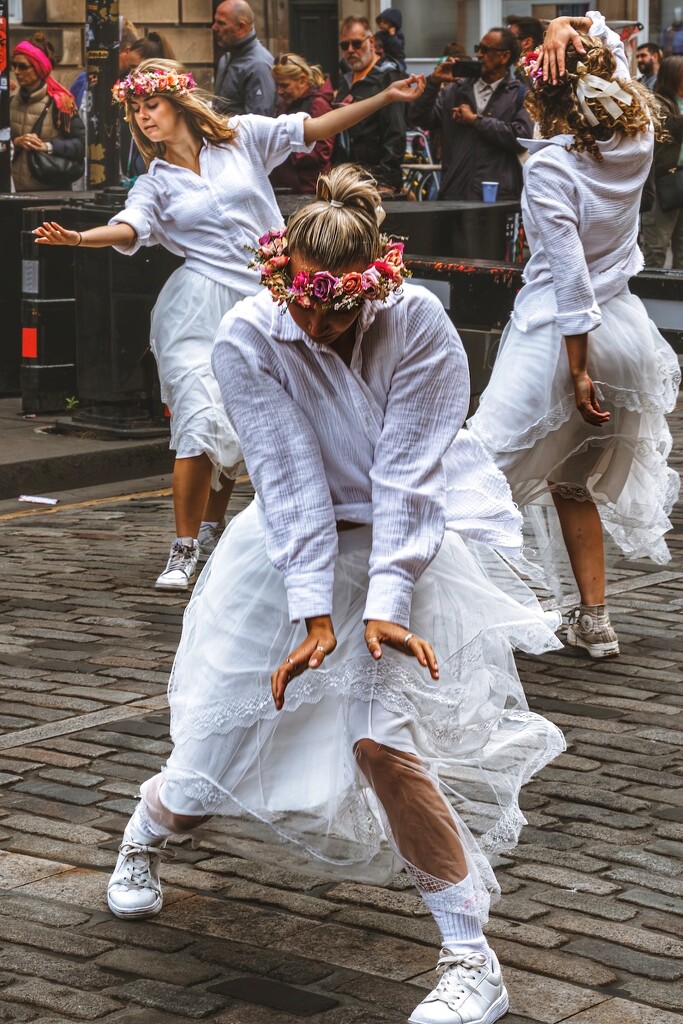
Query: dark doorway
point(314, 33)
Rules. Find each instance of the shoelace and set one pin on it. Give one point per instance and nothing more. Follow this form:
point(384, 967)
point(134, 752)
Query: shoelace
point(137, 857)
point(458, 969)
point(181, 553)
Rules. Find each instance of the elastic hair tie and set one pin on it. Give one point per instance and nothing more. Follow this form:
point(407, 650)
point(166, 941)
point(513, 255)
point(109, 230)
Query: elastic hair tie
point(336, 204)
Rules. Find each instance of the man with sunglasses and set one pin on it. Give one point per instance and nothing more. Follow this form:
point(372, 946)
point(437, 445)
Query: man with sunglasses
point(379, 142)
point(244, 81)
point(480, 119)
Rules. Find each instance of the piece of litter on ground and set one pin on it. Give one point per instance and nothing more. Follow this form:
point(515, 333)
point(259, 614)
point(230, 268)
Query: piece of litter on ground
point(37, 500)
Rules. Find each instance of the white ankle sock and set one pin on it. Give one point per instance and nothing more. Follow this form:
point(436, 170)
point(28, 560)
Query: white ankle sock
point(213, 526)
point(460, 932)
point(185, 541)
point(144, 830)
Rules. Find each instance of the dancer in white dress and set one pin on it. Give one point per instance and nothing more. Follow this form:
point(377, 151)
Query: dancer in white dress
point(205, 193)
point(366, 556)
point(574, 412)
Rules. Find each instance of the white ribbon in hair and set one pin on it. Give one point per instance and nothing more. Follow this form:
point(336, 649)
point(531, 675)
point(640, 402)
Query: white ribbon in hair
point(594, 88)
point(337, 205)
point(380, 214)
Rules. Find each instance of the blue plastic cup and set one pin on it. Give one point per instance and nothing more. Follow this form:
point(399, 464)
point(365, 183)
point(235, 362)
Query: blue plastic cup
point(489, 191)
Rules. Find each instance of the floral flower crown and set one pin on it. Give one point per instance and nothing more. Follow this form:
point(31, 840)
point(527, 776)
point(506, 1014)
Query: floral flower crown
point(530, 64)
point(381, 277)
point(142, 85)
point(587, 87)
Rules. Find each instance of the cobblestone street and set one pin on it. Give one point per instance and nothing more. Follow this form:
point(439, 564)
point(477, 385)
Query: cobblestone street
point(590, 927)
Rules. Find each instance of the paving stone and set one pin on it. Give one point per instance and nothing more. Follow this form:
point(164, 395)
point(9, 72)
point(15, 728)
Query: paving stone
point(27, 908)
point(241, 889)
point(594, 795)
point(229, 920)
point(529, 934)
point(576, 969)
point(81, 1005)
point(669, 996)
point(55, 829)
point(55, 849)
point(174, 968)
point(56, 791)
point(16, 869)
point(609, 953)
point(71, 778)
point(654, 900)
point(558, 858)
point(401, 999)
point(65, 972)
point(408, 903)
point(240, 957)
point(195, 1003)
point(600, 815)
point(570, 900)
point(57, 940)
point(673, 886)
point(141, 933)
point(626, 935)
point(564, 879)
point(361, 950)
point(50, 808)
point(88, 889)
point(416, 929)
point(518, 907)
point(620, 1011)
point(616, 837)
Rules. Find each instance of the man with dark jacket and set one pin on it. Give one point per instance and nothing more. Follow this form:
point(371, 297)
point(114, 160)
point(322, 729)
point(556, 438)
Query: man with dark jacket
point(379, 142)
point(244, 81)
point(480, 120)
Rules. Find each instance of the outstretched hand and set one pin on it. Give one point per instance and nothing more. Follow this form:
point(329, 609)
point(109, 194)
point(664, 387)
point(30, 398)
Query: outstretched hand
point(377, 633)
point(406, 89)
point(319, 643)
point(559, 35)
point(51, 233)
point(587, 402)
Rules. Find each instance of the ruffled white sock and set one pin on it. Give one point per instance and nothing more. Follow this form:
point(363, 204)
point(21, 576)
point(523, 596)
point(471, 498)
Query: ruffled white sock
point(143, 829)
point(460, 932)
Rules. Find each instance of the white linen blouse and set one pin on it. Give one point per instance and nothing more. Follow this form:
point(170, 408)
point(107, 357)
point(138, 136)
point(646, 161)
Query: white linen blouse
point(210, 217)
point(372, 442)
point(581, 220)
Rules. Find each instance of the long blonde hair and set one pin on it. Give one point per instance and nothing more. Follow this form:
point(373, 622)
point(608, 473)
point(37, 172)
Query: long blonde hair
point(557, 107)
point(339, 228)
point(195, 106)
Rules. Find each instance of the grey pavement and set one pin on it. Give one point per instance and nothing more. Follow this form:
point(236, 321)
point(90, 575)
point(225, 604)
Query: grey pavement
point(590, 926)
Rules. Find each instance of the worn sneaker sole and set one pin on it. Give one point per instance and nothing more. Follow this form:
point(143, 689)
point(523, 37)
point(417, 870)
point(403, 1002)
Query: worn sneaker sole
point(137, 914)
point(495, 1012)
point(607, 650)
point(163, 585)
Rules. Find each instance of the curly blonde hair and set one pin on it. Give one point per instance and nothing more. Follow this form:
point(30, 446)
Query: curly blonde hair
point(556, 108)
point(195, 106)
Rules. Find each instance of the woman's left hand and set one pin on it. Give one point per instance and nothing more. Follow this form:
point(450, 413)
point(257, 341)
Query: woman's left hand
point(406, 90)
point(319, 643)
point(377, 633)
point(587, 402)
point(30, 141)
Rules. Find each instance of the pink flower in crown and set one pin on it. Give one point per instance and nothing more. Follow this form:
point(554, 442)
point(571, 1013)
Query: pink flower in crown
point(388, 270)
point(371, 283)
point(394, 255)
point(323, 286)
point(301, 281)
point(277, 262)
point(303, 300)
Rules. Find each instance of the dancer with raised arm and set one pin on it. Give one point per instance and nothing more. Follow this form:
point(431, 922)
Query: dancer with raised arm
point(345, 678)
point(205, 193)
point(574, 412)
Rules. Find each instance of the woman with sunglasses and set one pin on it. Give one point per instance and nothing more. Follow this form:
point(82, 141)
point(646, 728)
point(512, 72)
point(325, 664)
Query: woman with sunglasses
point(205, 190)
point(345, 677)
point(302, 87)
point(574, 413)
point(41, 103)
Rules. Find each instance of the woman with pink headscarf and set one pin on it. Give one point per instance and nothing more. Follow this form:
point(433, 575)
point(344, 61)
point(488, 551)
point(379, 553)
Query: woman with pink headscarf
point(41, 101)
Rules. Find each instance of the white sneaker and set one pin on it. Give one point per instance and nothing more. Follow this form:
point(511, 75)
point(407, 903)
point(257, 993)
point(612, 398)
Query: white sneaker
point(208, 539)
point(589, 627)
point(134, 888)
point(181, 566)
point(470, 991)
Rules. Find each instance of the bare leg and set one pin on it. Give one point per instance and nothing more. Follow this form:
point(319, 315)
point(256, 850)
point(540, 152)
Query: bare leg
point(582, 533)
point(419, 817)
point(191, 487)
point(218, 501)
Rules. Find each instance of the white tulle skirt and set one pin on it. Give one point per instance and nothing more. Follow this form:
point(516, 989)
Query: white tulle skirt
point(184, 322)
point(529, 422)
point(294, 772)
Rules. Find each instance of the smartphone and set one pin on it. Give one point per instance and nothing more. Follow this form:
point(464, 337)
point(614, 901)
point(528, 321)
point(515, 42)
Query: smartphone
point(466, 69)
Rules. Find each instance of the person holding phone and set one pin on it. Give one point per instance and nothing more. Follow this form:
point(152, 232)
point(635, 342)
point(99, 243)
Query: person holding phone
point(481, 118)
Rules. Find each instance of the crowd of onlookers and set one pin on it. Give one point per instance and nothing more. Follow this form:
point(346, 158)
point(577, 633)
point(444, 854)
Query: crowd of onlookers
point(473, 111)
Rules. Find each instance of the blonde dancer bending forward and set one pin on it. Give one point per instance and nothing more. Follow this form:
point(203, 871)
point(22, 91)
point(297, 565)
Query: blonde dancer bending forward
point(345, 677)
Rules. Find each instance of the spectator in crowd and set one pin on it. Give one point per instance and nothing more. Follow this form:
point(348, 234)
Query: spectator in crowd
point(527, 31)
point(664, 228)
point(43, 114)
point(648, 59)
point(390, 41)
point(480, 120)
point(129, 58)
point(244, 81)
point(379, 142)
point(302, 86)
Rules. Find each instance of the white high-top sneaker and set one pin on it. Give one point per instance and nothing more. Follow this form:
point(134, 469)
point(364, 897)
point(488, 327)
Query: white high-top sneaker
point(590, 628)
point(134, 888)
point(180, 568)
point(470, 991)
point(208, 538)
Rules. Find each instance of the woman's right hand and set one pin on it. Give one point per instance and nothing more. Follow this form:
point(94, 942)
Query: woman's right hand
point(51, 233)
point(319, 643)
point(587, 402)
